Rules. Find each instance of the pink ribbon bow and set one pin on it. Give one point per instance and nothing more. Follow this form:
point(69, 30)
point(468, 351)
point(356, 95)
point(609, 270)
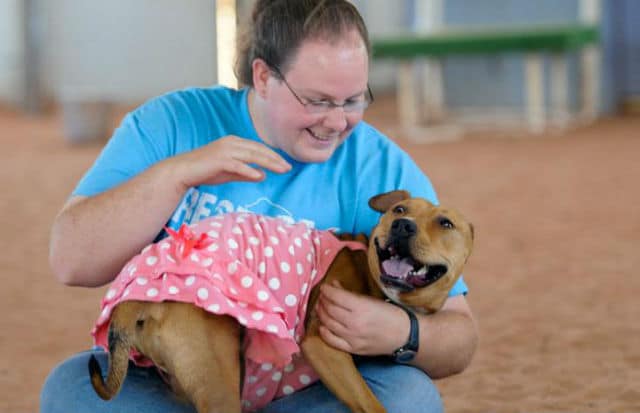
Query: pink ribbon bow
point(187, 240)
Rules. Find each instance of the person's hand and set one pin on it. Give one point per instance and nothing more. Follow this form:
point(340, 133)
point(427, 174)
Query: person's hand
point(360, 324)
point(227, 159)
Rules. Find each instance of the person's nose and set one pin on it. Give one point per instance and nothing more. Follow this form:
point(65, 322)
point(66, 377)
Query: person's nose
point(336, 119)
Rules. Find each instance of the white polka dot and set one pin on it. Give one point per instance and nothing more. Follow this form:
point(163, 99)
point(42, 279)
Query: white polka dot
point(287, 390)
point(246, 404)
point(263, 295)
point(313, 274)
point(111, 293)
point(236, 230)
point(290, 300)
point(327, 251)
point(285, 267)
point(289, 368)
point(292, 251)
point(216, 224)
point(254, 241)
point(233, 291)
point(257, 315)
point(232, 243)
point(170, 258)
point(282, 230)
point(126, 292)
point(261, 391)
point(316, 241)
point(232, 268)
point(274, 240)
point(190, 280)
point(194, 257)
point(242, 320)
point(174, 290)
point(152, 292)
point(242, 304)
point(303, 290)
point(277, 310)
point(141, 281)
point(231, 303)
point(105, 311)
point(147, 248)
point(203, 293)
point(272, 329)
point(304, 379)
point(246, 281)
point(217, 277)
point(299, 268)
point(252, 379)
point(266, 366)
point(309, 257)
point(277, 376)
point(298, 242)
point(213, 234)
point(213, 247)
point(274, 284)
point(151, 260)
point(165, 246)
point(268, 252)
point(249, 254)
point(214, 308)
point(207, 262)
point(262, 268)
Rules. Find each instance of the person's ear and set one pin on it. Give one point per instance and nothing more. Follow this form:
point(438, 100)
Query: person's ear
point(261, 74)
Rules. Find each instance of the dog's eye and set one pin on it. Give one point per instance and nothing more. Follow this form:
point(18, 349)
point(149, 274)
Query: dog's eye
point(399, 209)
point(445, 223)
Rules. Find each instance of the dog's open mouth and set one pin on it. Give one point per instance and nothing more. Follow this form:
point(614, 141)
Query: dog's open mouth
point(404, 272)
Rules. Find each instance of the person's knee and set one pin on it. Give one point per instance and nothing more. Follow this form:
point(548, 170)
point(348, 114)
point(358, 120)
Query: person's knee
point(63, 382)
point(403, 388)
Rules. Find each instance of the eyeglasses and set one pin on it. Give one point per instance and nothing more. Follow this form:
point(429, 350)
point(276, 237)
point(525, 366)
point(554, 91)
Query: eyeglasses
point(322, 106)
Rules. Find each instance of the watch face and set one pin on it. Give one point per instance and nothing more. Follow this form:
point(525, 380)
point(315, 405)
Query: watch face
point(405, 356)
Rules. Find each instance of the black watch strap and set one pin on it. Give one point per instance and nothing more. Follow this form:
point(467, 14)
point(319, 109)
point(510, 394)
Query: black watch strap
point(407, 352)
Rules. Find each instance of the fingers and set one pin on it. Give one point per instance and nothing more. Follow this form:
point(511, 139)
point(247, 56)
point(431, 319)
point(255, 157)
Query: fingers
point(251, 152)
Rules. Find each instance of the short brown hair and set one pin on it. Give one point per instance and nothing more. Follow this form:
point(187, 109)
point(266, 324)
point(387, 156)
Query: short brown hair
point(277, 28)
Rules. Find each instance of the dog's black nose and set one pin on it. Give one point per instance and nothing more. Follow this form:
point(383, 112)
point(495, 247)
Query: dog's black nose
point(403, 228)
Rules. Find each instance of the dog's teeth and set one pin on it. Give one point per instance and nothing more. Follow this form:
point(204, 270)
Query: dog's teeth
point(421, 271)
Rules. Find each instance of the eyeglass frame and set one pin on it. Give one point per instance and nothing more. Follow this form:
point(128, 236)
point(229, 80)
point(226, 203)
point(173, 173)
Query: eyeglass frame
point(325, 106)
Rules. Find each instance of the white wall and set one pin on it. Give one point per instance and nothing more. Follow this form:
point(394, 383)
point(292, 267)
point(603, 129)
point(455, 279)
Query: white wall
point(11, 51)
point(125, 50)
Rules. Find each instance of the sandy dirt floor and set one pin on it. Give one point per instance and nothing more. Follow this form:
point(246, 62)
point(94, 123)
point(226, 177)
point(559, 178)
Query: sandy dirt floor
point(552, 278)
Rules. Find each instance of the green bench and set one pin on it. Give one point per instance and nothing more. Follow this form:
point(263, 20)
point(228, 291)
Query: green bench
point(532, 40)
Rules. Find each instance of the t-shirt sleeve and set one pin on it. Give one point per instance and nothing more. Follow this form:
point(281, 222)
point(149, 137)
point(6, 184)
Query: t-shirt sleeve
point(143, 138)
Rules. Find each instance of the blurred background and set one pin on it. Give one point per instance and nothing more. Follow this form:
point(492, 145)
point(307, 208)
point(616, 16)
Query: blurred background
point(83, 58)
point(524, 114)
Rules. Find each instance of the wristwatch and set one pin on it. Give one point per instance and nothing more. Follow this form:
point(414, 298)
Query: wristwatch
point(408, 350)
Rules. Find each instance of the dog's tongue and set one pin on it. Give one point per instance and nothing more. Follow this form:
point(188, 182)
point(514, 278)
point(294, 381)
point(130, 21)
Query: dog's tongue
point(398, 268)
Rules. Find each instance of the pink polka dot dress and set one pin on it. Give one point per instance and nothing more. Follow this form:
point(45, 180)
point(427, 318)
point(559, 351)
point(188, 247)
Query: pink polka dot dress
point(257, 269)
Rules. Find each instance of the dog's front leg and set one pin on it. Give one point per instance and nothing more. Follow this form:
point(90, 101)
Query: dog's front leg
point(339, 373)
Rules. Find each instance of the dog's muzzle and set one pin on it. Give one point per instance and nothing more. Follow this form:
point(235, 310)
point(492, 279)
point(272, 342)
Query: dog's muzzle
point(399, 269)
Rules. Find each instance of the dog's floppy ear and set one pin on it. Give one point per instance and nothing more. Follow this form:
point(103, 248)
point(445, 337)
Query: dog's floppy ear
point(383, 202)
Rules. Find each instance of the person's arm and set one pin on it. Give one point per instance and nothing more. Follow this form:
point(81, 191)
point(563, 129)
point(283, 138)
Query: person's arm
point(369, 326)
point(92, 237)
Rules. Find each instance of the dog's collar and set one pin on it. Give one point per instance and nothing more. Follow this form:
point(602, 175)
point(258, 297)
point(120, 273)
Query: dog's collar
point(408, 350)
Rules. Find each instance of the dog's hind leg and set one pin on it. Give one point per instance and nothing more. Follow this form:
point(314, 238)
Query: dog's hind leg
point(206, 367)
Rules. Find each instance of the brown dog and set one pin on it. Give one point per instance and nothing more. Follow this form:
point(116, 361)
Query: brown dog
point(415, 255)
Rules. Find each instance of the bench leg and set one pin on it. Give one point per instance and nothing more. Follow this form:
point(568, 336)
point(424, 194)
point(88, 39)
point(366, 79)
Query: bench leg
point(433, 91)
point(534, 78)
point(559, 90)
point(590, 83)
point(408, 102)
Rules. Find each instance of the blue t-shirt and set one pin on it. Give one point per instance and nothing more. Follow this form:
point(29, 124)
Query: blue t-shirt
point(328, 195)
